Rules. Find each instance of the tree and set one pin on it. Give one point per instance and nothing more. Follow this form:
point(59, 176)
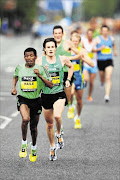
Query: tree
point(104, 8)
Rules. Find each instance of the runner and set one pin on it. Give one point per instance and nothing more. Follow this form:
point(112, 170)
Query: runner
point(90, 72)
point(64, 48)
point(54, 100)
point(31, 79)
point(78, 84)
point(105, 43)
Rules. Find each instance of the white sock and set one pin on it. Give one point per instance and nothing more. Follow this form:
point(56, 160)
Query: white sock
point(33, 147)
point(24, 142)
point(78, 116)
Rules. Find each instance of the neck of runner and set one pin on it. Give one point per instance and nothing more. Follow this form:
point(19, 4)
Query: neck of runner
point(29, 65)
point(51, 59)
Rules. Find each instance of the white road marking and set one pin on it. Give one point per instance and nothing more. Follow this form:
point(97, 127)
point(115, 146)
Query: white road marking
point(15, 114)
point(6, 122)
point(7, 119)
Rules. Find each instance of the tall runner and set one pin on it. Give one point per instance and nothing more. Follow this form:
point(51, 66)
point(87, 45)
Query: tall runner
point(105, 44)
point(53, 100)
point(64, 47)
point(31, 79)
point(90, 72)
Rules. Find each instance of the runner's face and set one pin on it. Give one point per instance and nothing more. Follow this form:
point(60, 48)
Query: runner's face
point(90, 35)
point(58, 35)
point(30, 58)
point(104, 31)
point(50, 48)
point(75, 41)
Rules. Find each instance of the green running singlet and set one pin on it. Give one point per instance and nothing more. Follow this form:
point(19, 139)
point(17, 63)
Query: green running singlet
point(56, 72)
point(62, 52)
point(29, 84)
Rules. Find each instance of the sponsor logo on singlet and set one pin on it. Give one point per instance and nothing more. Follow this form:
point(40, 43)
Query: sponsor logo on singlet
point(29, 84)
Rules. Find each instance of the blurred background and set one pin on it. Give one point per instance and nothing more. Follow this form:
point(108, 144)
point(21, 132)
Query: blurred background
point(26, 23)
point(37, 16)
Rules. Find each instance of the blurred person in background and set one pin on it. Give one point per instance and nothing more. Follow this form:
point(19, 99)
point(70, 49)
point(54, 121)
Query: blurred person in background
point(78, 84)
point(104, 44)
point(94, 27)
point(89, 72)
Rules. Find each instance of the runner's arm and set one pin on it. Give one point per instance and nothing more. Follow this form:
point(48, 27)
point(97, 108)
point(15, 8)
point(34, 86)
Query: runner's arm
point(65, 61)
point(43, 78)
point(114, 47)
point(14, 91)
point(97, 41)
point(85, 57)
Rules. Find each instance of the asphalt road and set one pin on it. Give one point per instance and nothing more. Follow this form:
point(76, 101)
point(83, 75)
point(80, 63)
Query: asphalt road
point(90, 153)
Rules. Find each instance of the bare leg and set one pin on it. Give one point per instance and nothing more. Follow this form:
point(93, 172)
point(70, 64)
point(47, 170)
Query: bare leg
point(79, 95)
point(92, 78)
point(48, 114)
point(108, 74)
point(68, 93)
point(102, 77)
point(25, 113)
point(86, 76)
point(33, 128)
point(58, 109)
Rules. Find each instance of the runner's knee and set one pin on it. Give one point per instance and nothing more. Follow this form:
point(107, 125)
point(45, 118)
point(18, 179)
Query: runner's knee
point(49, 126)
point(57, 117)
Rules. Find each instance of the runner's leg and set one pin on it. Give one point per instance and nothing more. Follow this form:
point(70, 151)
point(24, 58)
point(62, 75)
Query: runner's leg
point(48, 114)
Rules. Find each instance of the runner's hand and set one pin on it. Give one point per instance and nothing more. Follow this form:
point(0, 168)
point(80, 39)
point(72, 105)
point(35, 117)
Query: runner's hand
point(14, 91)
point(67, 83)
point(36, 71)
point(102, 47)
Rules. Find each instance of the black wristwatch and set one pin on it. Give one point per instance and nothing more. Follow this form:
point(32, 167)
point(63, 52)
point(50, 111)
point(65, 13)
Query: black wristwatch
point(68, 80)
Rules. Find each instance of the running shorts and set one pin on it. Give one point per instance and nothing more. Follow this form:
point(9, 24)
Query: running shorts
point(35, 105)
point(79, 82)
point(103, 64)
point(49, 99)
point(65, 78)
point(91, 69)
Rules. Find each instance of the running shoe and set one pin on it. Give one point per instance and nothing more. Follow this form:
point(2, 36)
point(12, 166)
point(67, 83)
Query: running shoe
point(60, 142)
point(70, 113)
point(33, 155)
point(77, 123)
point(53, 155)
point(106, 98)
point(90, 99)
point(23, 151)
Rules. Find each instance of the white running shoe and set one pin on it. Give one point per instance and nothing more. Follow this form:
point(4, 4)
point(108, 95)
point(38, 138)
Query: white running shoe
point(106, 98)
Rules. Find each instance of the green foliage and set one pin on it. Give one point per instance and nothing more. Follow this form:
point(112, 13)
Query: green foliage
point(27, 10)
point(104, 8)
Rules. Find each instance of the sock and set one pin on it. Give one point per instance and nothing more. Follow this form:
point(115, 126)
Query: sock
point(33, 147)
point(24, 142)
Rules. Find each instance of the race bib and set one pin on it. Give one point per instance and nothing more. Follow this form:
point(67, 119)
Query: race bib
point(91, 55)
point(29, 84)
point(55, 78)
point(76, 67)
point(106, 50)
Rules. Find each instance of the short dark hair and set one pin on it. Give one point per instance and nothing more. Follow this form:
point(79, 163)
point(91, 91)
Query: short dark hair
point(58, 27)
point(105, 26)
point(31, 49)
point(49, 40)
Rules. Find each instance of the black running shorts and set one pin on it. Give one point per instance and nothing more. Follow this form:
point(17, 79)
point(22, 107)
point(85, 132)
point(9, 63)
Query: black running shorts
point(65, 78)
point(35, 105)
point(49, 99)
point(103, 64)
